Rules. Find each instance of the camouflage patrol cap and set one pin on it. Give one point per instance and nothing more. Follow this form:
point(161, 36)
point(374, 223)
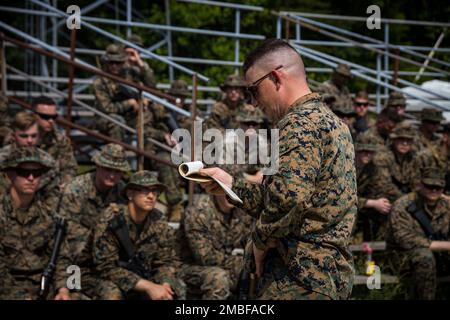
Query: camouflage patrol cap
point(364, 143)
point(179, 88)
point(396, 99)
point(431, 115)
point(136, 39)
point(343, 69)
point(21, 155)
point(114, 52)
point(112, 156)
point(365, 147)
point(249, 113)
point(144, 179)
point(433, 176)
point(233, 80)
point(403, 130)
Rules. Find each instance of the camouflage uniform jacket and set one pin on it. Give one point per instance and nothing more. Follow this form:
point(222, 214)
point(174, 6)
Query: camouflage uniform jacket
point(310, 203)
point(26, 242)
point(362, 124)
point(374, 183)
point(105, 91)
point(424, 143)
point(343, 97)
point(401, 170)
point(145, 75)
point(404, 231)
point(82, 205)
point(58, 146)
point(212, 235)
point(155, 243)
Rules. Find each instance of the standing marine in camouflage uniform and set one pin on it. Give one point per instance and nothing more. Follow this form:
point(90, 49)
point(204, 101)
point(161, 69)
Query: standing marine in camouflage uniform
point(53, 141)
point(375, 193)
point(430, 121)
point(363, 119)
point(139, 69)
point(213, 230)
point(24, 212)
point(82, 203)
point(306, 210)
point(223, 113)
point(419, 233)
point(335, 90)
point(134, 248)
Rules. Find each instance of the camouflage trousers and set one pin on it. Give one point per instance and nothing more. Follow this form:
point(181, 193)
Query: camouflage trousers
point(209, 283)
point(94, 288)
point(277, 284)
point(23, 288)
point(421, 267)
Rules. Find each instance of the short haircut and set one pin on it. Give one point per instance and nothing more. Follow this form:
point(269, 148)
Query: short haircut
point(23, 121)
point(42, 100)
point(267, 47)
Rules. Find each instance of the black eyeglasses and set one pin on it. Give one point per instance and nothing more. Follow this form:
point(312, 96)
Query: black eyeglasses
point(25, 173)
point(361, 104)
point(25, 136)
point(251, 92)
point(433, 187)
point(47, 117)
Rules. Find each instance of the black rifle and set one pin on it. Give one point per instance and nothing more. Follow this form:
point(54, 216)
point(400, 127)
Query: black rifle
point(419, 214)
point(49, 271)
point(128, 258)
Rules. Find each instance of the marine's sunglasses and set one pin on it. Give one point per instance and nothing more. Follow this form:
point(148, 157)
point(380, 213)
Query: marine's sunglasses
point(361, 104)
point(47, 117)
point(25, 173)
point(251, 92)
point(433, 187)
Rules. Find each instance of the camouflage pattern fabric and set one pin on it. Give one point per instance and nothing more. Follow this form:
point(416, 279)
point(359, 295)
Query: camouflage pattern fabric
point(59, 147)
point(22, 260)
point(406, 236)
point(155, 243)
point(212, 235)
point(309, 205)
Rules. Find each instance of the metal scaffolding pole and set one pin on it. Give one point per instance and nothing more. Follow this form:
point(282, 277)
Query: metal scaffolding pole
point(118, 39)
point(332, 64)
point(169, 38)
point(236, 42)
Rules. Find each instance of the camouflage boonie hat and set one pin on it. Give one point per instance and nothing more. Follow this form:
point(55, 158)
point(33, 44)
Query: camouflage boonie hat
point(249, 113)
point(396, 99)
point(21, 155)
point(114, 52)
point(112, 156)
point(431, 115)
point(233, 80)
point(403, 130)
point(135, 39)
point(179, 88)
point(362, 95)
point(433, 176)
point(144, 179)
point(343, 69)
